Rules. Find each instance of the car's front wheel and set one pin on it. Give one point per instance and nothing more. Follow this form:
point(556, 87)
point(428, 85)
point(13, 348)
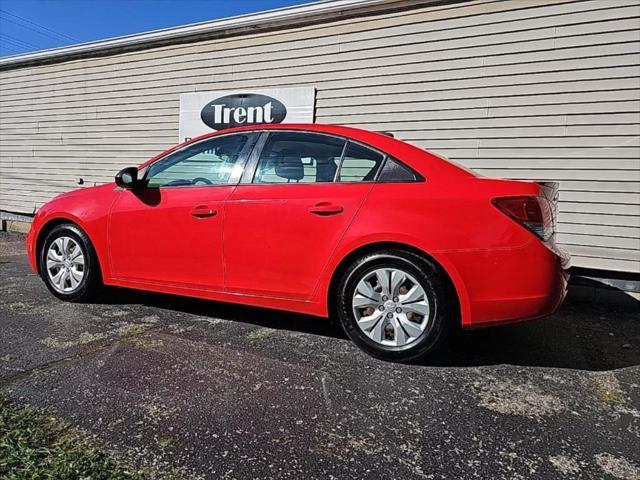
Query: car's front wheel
point(68, 264)
point(394, 305)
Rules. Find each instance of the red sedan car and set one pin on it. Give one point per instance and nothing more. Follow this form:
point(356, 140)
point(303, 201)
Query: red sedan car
point(396, 242)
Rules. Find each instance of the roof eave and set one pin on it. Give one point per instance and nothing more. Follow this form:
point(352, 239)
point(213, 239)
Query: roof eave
point(325, 10)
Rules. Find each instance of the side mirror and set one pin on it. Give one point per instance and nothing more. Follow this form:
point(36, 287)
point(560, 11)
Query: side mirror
point(128, 178)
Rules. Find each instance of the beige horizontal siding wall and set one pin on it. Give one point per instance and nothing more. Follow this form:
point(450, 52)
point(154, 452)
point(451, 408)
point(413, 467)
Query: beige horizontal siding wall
point(527, 89)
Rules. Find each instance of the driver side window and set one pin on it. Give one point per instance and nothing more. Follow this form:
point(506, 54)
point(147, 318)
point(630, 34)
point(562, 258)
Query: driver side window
point(209, 162)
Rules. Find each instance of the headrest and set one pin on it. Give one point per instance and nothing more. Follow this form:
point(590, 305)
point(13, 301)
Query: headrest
point(289, 165)
point(325, 169)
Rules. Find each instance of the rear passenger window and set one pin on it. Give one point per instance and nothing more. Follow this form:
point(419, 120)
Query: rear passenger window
point(394, 171)
point(299, 157)
point(360, 164)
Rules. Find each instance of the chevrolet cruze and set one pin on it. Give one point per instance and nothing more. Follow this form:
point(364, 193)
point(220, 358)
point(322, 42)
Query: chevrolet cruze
point(395, 242)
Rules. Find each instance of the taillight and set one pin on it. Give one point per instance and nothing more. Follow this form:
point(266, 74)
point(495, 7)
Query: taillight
point(533, 213)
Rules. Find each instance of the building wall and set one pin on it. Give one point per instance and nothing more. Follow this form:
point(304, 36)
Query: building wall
point(526, 89)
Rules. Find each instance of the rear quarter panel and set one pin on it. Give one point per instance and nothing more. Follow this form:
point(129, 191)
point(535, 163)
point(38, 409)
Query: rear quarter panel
point(452, 220)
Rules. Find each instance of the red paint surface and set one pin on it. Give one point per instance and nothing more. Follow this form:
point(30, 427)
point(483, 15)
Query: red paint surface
point(266, 247)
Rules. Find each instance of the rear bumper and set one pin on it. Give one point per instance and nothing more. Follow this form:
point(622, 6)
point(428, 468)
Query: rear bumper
point(514, 285)
point(521, 309)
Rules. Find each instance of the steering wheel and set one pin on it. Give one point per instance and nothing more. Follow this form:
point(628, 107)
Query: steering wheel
point(197, 180)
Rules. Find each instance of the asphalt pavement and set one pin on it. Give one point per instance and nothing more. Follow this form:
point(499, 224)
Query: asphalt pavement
point(201, 389)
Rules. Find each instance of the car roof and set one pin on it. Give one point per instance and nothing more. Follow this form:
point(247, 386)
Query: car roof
point(354, 133)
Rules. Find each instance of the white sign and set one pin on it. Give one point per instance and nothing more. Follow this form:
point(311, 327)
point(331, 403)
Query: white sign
point(205, 112)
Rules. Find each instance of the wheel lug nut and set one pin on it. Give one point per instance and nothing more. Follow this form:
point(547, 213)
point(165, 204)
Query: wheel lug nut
point(389, 315)
point(381, 307)
point(398, 310)
point(396, 299)
point(385, 298)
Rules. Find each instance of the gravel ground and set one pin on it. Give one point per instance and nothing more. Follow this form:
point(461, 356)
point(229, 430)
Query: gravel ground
point(205, 390)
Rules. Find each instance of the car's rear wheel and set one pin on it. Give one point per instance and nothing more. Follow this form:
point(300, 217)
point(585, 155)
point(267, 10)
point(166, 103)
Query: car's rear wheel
point(69, 265)
point(394, 305)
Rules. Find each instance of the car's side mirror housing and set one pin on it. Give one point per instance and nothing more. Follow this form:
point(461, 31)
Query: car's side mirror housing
point(128, 178)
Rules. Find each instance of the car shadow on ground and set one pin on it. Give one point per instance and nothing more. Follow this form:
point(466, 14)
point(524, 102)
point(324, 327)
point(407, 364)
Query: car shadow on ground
point(582, 335)
point(262, 317)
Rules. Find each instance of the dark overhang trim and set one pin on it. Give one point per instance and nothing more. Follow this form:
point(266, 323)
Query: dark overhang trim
point(316, 12)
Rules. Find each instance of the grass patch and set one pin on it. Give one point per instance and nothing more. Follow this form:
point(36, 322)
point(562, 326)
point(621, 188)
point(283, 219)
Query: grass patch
point(145, 343)
point(34, 444)
point(608, 388)
point(259, 334)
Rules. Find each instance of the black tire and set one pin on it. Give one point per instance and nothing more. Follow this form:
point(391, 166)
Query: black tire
point(92, 280)
point(442, 312)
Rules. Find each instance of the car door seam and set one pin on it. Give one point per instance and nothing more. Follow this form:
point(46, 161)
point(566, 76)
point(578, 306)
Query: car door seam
point(109, 222)
point(335, 248)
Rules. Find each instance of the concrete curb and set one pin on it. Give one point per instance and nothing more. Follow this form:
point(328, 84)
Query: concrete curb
point(14, 222)
point(15, 226)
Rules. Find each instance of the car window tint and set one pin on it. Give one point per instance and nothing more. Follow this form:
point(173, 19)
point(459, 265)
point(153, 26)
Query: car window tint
point(204, 163)
point(394, 171)
point(360, 164)
point(299, 157)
